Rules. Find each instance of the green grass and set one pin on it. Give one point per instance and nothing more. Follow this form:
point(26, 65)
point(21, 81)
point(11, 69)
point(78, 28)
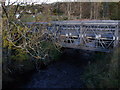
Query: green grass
point(27, 18)
point(45, 18)
point(103, 72)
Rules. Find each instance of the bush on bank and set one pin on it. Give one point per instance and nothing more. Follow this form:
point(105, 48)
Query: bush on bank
point(17, 63)
point(104, 71)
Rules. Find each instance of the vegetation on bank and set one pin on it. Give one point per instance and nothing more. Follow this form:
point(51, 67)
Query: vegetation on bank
point(104, 71)
point(19, 63)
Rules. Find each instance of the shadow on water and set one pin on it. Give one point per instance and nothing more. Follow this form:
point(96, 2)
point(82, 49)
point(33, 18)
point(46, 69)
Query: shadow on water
point(76, 56)
point(63, 73)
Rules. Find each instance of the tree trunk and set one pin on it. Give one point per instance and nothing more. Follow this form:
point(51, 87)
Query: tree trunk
point(80, 10)
point(91, 10)
point(69, 10)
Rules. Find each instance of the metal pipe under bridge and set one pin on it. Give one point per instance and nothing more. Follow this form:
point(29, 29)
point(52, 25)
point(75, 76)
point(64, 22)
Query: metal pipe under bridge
point(95, 35)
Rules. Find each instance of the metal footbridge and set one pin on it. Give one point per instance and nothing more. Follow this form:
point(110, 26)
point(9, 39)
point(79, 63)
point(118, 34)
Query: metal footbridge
point(95, 35)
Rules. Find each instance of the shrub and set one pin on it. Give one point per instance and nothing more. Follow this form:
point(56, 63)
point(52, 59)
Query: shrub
point(103, 71)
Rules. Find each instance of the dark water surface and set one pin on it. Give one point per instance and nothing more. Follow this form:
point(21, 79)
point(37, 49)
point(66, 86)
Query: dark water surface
point(64, 73)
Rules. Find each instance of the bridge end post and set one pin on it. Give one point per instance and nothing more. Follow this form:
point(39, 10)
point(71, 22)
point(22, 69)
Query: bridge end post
point(116, 42)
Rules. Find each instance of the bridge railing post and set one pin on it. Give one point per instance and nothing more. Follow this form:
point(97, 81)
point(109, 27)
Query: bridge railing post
point(116, 42)
point(118, 33)
point(80, 35)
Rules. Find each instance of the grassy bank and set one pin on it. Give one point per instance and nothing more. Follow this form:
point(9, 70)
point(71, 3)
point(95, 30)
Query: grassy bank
point(103, 71)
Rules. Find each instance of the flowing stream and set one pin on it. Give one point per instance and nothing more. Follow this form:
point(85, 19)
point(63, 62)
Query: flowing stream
point(64, 73)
